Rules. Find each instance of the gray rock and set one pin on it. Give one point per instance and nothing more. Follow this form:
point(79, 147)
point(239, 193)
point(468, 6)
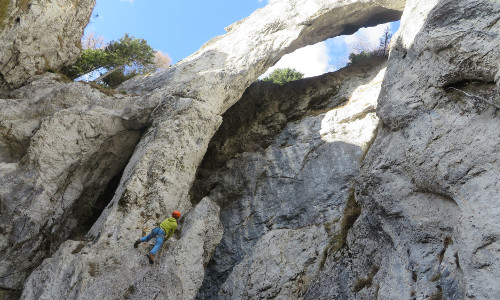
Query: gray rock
point(428, 187)
point(225, 66)
point(178, 276)
point(38, 36)
point(303, 213)
point(191, 97)
point(282, 204)
point(62, 144)
point(284, 262)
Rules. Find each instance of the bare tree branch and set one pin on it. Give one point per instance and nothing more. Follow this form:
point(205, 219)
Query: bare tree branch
point(93, 42)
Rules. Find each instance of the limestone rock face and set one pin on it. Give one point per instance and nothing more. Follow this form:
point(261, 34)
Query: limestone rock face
point(225, 66)
point(286, 194)
point(178, 276)
point(283, 202)
point(61, 144)
point(191, 97)
point(38, 35)
point(429, 185)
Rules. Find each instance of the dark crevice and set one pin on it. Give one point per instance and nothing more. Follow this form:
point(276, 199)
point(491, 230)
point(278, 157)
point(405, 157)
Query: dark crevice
point(351, 213)
point(10, 294)
point(474, 97)
point(482, 93)
point(488, 240)
point(100, 177)
point(447, 241)
point(88, 213)
point(464, 83)
point(13, 149)
point(2, 79)
point(363, 282)
point(438, 294)
point(95, 197)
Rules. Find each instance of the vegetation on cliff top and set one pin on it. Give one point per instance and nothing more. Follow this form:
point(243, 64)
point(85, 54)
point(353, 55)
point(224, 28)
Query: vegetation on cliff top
point(282, 76)
point(362, 52)
point(120, 60)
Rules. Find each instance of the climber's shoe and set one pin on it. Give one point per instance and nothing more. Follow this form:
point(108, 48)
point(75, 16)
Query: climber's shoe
point(137, 243)
point(151, 258)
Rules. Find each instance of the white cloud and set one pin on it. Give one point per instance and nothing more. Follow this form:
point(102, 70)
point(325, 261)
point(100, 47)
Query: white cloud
point(314, 60)
point(311, 61)
point(369, 37)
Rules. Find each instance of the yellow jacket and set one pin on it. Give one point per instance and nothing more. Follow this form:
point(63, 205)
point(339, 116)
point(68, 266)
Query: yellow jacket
point(169, 226)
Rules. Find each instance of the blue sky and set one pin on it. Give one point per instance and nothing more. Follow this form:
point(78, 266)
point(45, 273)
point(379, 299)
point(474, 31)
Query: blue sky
point(175, 27)
point(180, 27)
point(332, 54)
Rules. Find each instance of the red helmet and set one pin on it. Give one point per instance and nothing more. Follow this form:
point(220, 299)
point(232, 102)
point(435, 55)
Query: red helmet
point(176, 214)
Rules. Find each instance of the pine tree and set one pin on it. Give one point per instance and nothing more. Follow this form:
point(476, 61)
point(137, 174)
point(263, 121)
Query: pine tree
point(116, 56)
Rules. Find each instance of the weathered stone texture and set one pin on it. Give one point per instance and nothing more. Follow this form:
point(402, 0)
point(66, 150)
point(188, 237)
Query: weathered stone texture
point(225, 66)
point(61, 144)
point(39, 35)
point(429, 186)
point(192, 95)
point(280, 200)
point(177, 275)
point(283, 195)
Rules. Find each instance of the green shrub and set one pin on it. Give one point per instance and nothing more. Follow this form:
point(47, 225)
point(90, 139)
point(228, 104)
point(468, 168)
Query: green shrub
point(355, 58)
point(282, 76)
point(126, 52)
point(115, 79)
point(89, 60)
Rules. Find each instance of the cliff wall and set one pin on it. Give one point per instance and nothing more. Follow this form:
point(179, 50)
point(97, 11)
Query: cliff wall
point(38, 36)
point(376, 181)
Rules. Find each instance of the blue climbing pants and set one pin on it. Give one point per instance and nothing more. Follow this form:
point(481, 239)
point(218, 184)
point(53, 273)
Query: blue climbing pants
point(160, 238)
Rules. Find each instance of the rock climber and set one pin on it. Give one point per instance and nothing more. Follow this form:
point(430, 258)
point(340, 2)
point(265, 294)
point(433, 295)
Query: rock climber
point(162, 233)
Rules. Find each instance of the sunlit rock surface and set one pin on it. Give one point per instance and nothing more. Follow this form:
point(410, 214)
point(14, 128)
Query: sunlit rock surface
point(225, 66)
point(429, 226)
point(282, 186)
point(179, 267)
point(63, 148)
point(39, 35)
point(191, 97)
point(286, 195)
